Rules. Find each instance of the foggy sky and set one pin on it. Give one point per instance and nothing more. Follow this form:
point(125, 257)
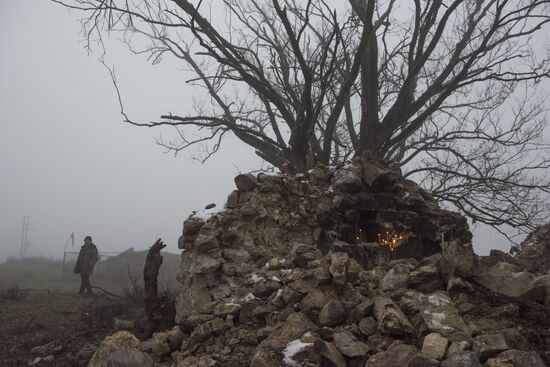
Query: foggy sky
point(69, 162)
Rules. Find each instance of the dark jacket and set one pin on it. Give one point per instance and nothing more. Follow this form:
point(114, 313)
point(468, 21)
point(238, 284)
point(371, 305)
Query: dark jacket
point(87, 258)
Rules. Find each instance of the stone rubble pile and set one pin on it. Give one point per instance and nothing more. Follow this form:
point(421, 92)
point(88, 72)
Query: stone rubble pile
point(279, 278)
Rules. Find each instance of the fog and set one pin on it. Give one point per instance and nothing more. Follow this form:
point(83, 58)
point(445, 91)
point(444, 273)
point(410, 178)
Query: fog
point(69, 162)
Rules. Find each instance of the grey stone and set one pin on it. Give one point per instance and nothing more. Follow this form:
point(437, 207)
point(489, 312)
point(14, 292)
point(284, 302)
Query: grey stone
point(368, 326)
point(330, 354)
point(503, 279)
point(435, 345)
point(422, 360)
point(347, 180)
point(117, 341)
point(246, 182)
point(396, 278)
point(349, 345)
point(458, 259)
point(462, 359)
point(332, 314)
point(514, 357)
point(489, 345)
point(391, 320)
point(398, 356)
point(129, 357)
point(338, 267)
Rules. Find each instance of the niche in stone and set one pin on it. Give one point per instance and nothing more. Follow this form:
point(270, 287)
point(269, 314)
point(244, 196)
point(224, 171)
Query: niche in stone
point(370, 230)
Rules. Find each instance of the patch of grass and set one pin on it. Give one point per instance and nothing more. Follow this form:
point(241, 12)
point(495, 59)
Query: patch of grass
point(44, 273)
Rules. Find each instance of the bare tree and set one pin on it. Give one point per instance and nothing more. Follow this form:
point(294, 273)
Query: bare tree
point(447, 90)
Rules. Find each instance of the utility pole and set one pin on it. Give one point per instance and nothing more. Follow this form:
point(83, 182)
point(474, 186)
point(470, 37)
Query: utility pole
point(25, 243)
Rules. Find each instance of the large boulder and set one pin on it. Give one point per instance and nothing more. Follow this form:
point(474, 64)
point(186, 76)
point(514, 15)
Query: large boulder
point(458, 259)
point(534, 253)
point(502, 278)
point(121, 340)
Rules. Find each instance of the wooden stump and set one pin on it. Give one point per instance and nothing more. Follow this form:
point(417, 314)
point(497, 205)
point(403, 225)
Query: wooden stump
point(159, 310)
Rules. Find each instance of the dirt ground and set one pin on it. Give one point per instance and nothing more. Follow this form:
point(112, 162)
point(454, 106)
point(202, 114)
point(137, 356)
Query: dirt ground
point(64, 318)
point(46, 308)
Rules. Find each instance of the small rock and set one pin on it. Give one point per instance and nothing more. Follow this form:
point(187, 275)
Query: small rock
point(265, 288)
point(338, 267)
point(129, 357)
point(192, 225)
point(397, 356)
point(302, 248)
point(224, 309)
point(462, 359)
point(120, 324)
point(110, 344)
point(246, 182)
point(160, 345)
point(349, 346)
point(206, 243)
point(347, 180)
point(425, 279)
point(332, 314)
point(435, 345)
point(457, 347)
point(329, 353)
point(175, 337)
point(368, 326)
point(489, 345)
point(363, 309)
point(47, 349)
point(313, 302)
point(391, 320)
point(514, 357)
point(422, 360)
point(396, 278)
point(457, 284)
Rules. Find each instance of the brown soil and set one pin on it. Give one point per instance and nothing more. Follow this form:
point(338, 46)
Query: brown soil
point(40, 317)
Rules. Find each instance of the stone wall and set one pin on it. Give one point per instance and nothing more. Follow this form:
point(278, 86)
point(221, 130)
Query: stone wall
point(349, 209)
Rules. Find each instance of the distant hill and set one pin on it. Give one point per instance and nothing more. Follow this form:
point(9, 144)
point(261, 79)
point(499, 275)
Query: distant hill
point(119, 268)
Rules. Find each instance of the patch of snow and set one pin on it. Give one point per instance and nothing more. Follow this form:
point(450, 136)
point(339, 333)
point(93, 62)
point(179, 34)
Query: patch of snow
point(406, 195)
point(286, 271)
point(255, 278)
point(438, 300)
point(436, 321)
point(267, 265)
point(232, 304)
point(206, 214)
point(275, 279)
point(291, 350)
point(249, 297)
point(278, 295)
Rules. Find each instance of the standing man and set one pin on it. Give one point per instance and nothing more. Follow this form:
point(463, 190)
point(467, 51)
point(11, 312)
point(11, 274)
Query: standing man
point(87, 258)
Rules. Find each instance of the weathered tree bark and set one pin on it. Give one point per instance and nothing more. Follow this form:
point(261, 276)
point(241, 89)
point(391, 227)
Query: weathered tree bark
point(158, 310)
